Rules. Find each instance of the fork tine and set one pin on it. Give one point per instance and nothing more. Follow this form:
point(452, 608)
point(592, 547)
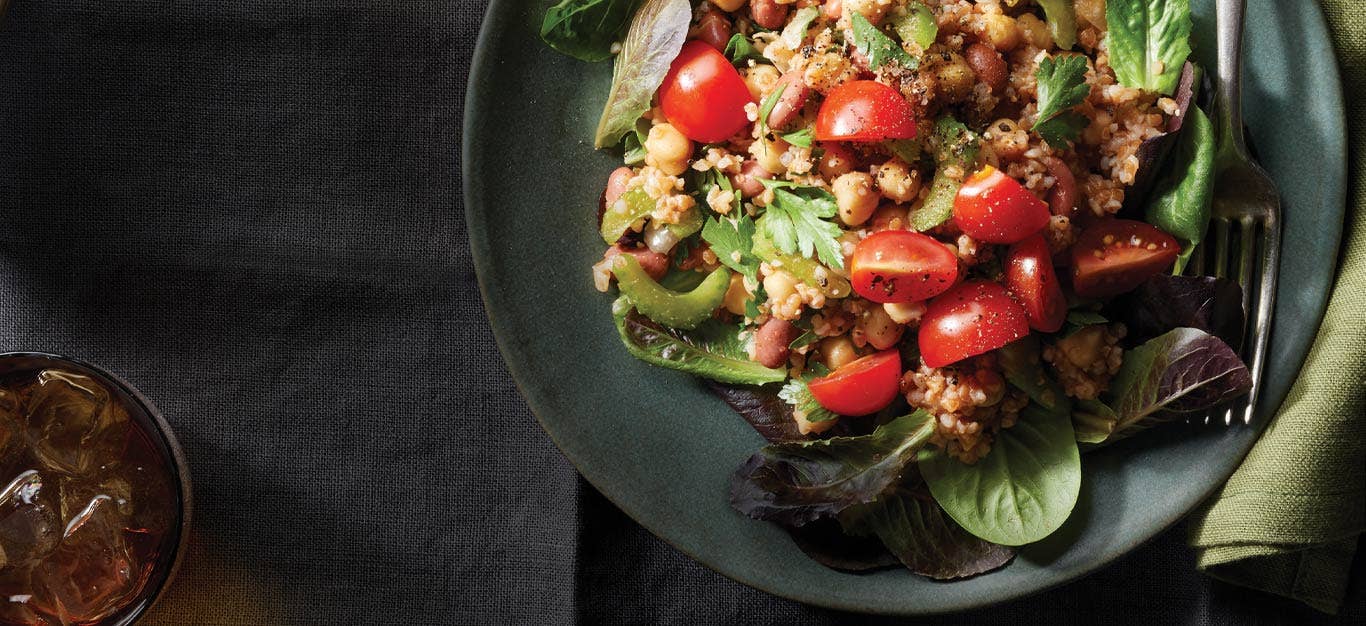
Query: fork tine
point(1246, 275)
point(1197, 262)
point(1266, 300)
point(1220, 227)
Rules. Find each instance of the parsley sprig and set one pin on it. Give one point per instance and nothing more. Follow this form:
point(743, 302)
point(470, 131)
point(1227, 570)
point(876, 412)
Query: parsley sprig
point(796, 221)
point(1062, 85)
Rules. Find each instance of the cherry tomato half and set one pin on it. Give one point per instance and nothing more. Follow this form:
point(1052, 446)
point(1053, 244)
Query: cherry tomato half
point(865, 386)
point(864, 110)
point(1113, 256)
point(703, 96)
point(996, 208)
point(1030, 278)
point(971, 319)
point(902, 266)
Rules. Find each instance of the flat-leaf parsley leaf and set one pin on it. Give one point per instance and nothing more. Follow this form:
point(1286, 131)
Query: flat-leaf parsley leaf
point(1062, 85)
point(795, 221)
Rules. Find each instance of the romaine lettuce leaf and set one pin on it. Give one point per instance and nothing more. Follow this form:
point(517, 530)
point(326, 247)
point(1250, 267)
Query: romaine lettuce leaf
point(1149, 41)
point(1183, 199)
point(654, 39)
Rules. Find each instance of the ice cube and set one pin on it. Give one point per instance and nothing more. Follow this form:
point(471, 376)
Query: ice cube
point(92, 573)
point(11, 429)
point(29, 522)
point(75, 426)
point(17, 604)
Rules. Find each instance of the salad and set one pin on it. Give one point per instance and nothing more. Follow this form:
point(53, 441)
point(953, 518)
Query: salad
point(932, 250)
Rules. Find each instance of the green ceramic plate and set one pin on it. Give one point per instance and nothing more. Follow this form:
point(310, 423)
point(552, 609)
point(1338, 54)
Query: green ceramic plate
point(662, 448)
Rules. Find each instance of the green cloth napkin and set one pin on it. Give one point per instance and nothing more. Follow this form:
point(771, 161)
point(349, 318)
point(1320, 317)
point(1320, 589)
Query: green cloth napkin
point(1289, 519)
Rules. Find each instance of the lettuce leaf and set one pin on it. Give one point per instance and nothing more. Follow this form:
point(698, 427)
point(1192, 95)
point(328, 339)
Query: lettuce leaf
point(712, 350)
point(923, 537)
point(1183, 199)
point(1183, 372)
point(1164, 303)
point(1149, 41)
point(586, 29)
point(796, 483)
point(654, 39)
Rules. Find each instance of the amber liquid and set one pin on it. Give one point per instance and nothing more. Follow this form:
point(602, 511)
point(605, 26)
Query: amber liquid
point(88, 508)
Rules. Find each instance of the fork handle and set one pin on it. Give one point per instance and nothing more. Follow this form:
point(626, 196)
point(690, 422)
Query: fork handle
point(1229, 22)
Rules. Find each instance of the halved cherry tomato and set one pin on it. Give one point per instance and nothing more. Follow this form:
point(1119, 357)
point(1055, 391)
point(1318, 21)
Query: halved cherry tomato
point(901, 266)
point(703, 96)
point(1031, 279)
point(995, 208)
point(1113, 256)
point(864, 110)
point(971, 319)
point(865, 386)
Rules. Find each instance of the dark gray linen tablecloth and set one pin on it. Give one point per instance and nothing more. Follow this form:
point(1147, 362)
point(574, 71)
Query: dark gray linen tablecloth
point(252, 211)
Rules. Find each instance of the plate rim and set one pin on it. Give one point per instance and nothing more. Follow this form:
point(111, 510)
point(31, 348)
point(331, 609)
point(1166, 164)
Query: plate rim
point(479, 244)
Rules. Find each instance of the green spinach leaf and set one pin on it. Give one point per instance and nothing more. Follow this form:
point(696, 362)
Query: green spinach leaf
point(1182, 202)
point(586, 29)
point(713, 350)
point(1148, 42)
point(796, 483)
point(1022, 490)
point(925, 539)
point(655, 37)
point(1062, 86)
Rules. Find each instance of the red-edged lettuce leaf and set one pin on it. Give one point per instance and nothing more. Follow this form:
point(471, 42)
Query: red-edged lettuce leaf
point(923, 537)
point(798, 482)
point(1152, 153)
point(770, 415)
point(1182, 372)
point(826, 543)
point(1165, 302)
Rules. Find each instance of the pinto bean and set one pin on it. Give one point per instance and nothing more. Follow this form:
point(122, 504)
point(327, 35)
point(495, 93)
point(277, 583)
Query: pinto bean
point(771, 342)
point(832, 9)
point(616, 184)
point(768, 13)
point(988, 65)
point(714, 29)
point(1062, 197)
point(789, 105)
point(654, 263)
point(747, 181)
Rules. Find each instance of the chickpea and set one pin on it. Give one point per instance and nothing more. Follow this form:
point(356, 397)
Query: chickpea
point(855, 197)
point(667, 149)
point(897, 181)
point(761, 79)
point(836, 160)
point(780, 286)
point(736, 295)
point(807, 427)
point(728, 5)
point(1034, 31)
point(879, 328)
point(891, 217)
point(768, 154)
point(955, 78)
point(1007, 139)
point(838, 351)
point(1001, 32)
point(905, 312)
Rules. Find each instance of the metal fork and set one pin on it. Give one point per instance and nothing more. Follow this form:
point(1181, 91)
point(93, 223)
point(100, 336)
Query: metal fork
point(1246, 226)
